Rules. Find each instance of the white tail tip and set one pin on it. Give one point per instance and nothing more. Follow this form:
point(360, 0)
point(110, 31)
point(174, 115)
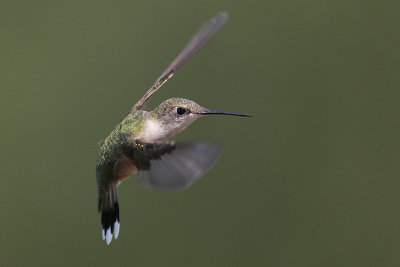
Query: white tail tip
point(116, 229)
point(103, 234)
point(108, 236)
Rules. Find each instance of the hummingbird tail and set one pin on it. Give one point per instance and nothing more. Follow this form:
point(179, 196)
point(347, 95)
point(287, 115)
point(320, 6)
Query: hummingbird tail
point(108, 206)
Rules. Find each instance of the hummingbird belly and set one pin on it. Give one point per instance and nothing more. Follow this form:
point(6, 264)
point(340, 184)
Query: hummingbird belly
point(123, 168)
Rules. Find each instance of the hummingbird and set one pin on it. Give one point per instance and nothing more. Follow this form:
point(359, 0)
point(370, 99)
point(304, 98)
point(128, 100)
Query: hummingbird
point(139, 142)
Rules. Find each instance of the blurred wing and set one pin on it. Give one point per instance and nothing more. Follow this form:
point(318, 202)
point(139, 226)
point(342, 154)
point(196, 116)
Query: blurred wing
point(198, 41)
point(180, 167)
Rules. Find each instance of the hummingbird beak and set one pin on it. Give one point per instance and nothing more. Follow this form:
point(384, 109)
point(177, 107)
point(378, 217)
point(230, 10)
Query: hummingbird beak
point(221, 112)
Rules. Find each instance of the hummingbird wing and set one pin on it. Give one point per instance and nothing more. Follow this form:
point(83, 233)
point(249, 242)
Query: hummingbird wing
point(197, 42)
point(166, 166)
point(171, 166)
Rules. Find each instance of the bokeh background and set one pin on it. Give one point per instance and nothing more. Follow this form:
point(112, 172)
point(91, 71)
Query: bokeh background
point(311, 180)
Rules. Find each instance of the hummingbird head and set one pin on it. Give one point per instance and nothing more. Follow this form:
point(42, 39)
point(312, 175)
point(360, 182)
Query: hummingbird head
point(174, 115)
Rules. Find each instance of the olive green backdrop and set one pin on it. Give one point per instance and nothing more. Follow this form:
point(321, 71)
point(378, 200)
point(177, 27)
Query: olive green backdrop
point(311, 180)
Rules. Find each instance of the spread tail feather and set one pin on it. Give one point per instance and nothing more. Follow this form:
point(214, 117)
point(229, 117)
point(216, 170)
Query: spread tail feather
point(108, 206)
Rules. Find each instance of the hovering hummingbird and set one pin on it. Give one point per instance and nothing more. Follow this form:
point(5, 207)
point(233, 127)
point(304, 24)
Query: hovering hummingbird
point(139, 142)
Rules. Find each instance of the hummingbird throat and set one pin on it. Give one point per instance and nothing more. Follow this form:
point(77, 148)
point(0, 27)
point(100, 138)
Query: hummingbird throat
point(153, 131)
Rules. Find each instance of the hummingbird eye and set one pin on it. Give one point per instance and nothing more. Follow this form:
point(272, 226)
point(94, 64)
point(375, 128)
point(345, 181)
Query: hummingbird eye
point(180, 110)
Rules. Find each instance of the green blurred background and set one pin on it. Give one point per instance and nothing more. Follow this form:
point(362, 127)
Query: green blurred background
point(311, 180)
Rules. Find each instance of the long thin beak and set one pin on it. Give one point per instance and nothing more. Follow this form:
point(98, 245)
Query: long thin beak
point(221, 112)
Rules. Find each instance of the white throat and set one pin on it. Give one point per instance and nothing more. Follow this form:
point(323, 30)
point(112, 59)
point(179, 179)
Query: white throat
point(153, 132)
